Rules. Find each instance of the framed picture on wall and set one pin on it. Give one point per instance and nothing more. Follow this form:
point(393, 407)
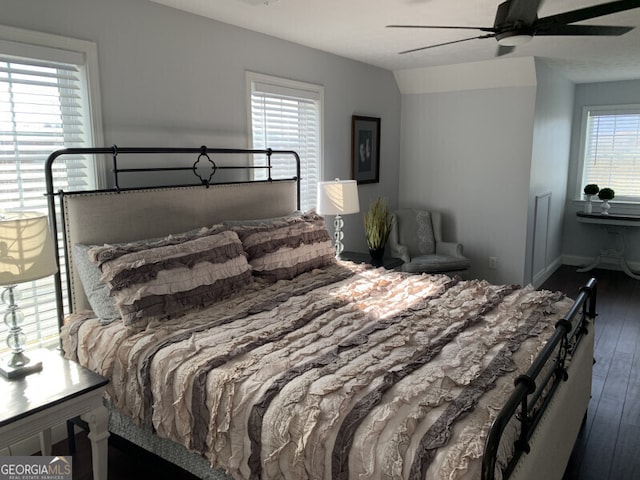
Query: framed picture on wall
point(365, 149)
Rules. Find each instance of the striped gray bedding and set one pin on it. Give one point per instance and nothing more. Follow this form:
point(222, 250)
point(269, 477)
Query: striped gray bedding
point(342, 372)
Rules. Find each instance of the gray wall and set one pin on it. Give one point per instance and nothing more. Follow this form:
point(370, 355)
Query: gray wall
point(583, 241)
point(468, 154)
point(484, 155)
point(549, 171)
point(170, 78)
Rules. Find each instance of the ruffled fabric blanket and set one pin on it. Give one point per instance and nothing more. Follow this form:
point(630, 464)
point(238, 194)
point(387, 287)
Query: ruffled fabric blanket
point(341, 373)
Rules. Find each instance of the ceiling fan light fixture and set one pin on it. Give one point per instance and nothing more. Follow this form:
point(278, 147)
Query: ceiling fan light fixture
point(517, 22)
point(513, 39)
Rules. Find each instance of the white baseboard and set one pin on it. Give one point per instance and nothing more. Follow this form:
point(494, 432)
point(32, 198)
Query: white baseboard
point(577, 261)
point(540, 277)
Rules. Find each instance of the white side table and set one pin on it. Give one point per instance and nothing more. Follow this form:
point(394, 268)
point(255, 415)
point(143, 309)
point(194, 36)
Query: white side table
point(62, 390)
point(614, 243)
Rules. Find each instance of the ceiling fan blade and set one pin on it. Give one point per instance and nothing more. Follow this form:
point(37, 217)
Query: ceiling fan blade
point(587, 13)
point(524, 11)
point(446, 43)
point(584, 30)
point(482, 29)
point(503, 50)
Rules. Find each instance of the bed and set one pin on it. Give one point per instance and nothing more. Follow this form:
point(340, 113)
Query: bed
point(238, 347)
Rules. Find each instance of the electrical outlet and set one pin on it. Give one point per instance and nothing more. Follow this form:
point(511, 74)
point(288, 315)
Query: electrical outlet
point(493, 263)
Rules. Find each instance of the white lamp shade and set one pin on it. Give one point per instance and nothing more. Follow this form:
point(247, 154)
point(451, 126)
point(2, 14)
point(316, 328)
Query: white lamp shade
point(26, 248)
point(338, 197)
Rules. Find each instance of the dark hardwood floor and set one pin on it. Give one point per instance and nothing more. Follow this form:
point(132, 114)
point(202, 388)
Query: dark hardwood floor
point(608, 447)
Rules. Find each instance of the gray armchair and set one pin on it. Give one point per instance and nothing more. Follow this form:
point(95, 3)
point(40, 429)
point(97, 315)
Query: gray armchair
point(416, 238)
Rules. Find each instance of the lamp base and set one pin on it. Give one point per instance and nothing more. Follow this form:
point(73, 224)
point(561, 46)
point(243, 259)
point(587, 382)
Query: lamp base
point(338, 223)
point(13, 368)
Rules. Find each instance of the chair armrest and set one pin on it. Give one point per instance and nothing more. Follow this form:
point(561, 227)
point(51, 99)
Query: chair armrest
point(399, 251)
point(449, 248)
point(396, 249)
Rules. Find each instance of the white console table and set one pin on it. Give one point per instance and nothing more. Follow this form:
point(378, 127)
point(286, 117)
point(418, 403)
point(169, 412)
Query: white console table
point(614, 242)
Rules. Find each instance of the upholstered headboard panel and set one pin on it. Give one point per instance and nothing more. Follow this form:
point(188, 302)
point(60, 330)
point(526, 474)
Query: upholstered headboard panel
point(111, 217)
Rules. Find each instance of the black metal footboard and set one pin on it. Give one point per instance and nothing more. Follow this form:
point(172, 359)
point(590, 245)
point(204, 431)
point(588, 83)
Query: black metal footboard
point(534, 390)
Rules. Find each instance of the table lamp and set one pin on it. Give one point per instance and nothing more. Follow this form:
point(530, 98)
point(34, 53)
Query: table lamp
point(26, 254)
point(338, 197)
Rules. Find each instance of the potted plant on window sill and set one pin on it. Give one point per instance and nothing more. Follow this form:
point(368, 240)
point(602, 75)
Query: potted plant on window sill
point(605, 195)
point(377, 227)
point(589, 191)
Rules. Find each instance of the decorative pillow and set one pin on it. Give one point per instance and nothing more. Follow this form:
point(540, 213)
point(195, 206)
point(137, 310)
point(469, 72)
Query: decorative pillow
point(162, 279)
point(415, 230)
point(283, 248)
point(97, 292)
point(253, 222)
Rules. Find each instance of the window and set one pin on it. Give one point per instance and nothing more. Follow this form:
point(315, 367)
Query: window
point(287, 115)
point(611, 150)
point(44, 106)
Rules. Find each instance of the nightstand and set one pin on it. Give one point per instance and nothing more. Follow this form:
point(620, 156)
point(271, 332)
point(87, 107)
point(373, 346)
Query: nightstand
point(389, 263)
point(62, 390)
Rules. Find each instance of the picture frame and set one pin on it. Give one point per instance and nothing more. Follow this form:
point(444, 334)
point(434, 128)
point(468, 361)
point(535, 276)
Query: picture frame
point(365, 149)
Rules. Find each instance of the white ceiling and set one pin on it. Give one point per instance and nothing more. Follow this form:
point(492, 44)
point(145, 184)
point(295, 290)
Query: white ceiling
point(356, 29)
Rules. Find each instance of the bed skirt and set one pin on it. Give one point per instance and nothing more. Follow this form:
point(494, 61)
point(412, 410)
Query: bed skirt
point(175, 453)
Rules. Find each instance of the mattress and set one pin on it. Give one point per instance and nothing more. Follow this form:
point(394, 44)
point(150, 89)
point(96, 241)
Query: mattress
point(342, 372)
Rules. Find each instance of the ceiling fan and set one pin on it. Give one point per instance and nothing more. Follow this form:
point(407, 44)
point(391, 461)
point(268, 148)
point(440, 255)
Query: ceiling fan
point(517, 22)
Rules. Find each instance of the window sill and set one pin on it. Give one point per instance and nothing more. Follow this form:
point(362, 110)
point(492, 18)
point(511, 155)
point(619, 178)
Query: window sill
point(617, 206)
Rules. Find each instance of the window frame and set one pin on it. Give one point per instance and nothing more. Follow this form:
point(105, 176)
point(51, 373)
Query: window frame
point(580, 182)
point(46, 47)
point(313, 90)
point(89, 51)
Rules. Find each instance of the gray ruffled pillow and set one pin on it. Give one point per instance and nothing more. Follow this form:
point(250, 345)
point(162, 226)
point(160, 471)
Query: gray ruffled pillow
point(162, 279)
point(282, 248)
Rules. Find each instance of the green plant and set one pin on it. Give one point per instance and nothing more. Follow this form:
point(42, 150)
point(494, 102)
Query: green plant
point(591, 189)
point(377, 224)
point(606, 194)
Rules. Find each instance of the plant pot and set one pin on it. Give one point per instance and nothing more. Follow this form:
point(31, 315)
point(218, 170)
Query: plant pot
point(604, 208)
point(588, 206)
point(376, 256)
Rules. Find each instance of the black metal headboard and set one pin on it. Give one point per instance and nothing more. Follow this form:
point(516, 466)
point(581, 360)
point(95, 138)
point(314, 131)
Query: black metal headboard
point(208, 162)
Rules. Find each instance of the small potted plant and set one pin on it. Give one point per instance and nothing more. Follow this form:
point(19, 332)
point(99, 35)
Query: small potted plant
point(605, 195)
point(589, 191)
point(377, 227)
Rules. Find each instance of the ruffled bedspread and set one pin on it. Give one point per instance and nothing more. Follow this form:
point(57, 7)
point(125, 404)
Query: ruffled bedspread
point(340, 373)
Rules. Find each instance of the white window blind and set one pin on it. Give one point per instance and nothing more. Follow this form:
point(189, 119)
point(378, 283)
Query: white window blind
point(612, 150)
point(43, 107)
point(288, 118)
